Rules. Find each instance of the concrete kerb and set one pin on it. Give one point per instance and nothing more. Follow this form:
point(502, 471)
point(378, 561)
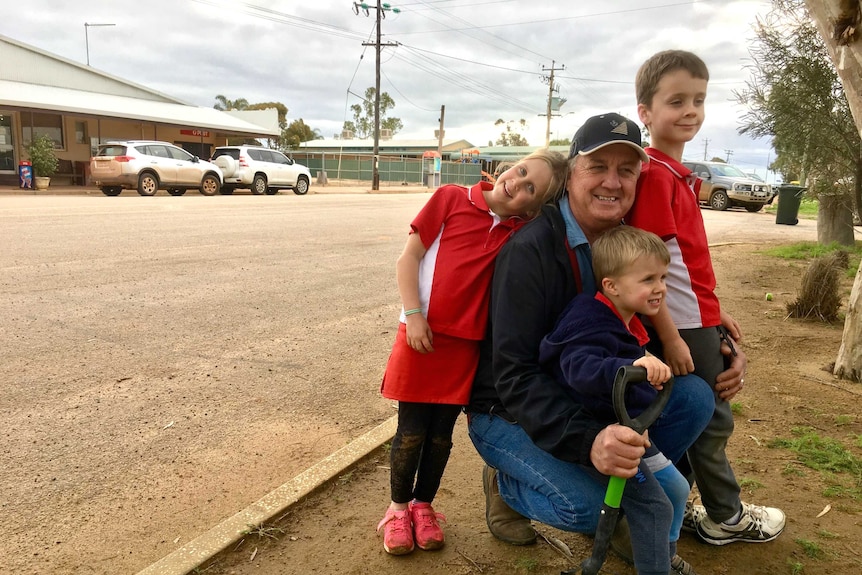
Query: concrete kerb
point(204, 547)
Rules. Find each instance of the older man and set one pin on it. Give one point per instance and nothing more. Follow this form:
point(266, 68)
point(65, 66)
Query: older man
point(526, 427)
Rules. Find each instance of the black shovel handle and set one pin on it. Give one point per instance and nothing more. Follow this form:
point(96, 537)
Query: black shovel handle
point(626, 376)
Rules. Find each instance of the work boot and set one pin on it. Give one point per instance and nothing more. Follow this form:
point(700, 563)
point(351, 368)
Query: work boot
point(505, 523)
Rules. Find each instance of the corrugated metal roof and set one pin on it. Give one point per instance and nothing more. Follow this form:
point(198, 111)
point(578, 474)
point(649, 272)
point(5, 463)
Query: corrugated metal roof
point(29, 64)
point(21, 95)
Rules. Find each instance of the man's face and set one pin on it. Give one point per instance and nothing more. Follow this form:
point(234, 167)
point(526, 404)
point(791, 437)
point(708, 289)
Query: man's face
point(602, 186)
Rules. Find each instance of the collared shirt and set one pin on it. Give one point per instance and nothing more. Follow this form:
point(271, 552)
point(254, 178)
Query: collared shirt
point(666, 204)
point(462, 237)
point(634, 327)
point(580, 246)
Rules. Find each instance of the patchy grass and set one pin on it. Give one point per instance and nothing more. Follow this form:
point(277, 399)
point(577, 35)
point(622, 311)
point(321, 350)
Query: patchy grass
point(796, 568)
point(790, 469)
point(264, 531)
point(811, 250)
point(844, 419)
point(810, 548)
point(840, 469)
point(736, 407)
point(526, 564)
point(750, 484)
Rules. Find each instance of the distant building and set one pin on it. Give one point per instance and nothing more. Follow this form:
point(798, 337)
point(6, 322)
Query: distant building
point(390, 147)
point(79, 107)
point(332, 155)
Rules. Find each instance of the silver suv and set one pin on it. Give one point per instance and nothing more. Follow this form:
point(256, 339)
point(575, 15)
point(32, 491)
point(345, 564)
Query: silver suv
point(725, 186)
point(148, 166)
point(263, 170)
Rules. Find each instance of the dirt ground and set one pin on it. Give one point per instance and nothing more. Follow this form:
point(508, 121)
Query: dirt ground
point(168, 361)
point(787, 386)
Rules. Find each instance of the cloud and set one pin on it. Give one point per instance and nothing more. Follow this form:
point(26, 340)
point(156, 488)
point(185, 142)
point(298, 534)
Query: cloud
point(482, 59)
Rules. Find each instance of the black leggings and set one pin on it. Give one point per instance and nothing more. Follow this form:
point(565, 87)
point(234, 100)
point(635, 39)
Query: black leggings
point(420, 449)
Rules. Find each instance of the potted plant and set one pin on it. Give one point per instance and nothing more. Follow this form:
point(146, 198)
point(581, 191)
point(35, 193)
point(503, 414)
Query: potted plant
point(43, 159)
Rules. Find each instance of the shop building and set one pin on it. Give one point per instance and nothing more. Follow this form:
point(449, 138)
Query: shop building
point(79, 107)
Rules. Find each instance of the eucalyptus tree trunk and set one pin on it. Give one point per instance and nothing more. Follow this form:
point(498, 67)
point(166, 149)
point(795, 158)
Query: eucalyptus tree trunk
point(848, 61)
point(834, 220)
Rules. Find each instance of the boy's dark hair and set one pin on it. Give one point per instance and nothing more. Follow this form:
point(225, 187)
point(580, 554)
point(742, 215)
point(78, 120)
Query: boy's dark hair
point(618, 248)
point(657, 65)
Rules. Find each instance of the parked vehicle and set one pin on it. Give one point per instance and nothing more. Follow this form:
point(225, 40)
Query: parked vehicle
point(725, 186)
point(260, 169)
point(149, 166)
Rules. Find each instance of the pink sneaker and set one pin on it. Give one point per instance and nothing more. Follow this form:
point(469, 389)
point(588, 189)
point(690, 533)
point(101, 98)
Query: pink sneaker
point(426, 528)
point(398, 533)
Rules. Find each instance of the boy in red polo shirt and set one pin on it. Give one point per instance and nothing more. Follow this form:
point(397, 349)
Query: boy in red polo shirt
point(671, 91)
point(444, 277)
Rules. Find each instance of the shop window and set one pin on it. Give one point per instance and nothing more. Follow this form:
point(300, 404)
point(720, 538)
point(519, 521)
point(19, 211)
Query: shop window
point(35, 124)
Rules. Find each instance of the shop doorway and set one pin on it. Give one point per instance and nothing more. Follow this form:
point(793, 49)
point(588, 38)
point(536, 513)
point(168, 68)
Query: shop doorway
point(199, 149)
point(7, 143)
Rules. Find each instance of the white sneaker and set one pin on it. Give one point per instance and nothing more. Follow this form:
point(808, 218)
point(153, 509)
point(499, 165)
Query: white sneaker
point(757, 525)
point(693, 515)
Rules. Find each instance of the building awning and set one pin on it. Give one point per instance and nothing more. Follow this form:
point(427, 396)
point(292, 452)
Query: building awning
point(20, 95)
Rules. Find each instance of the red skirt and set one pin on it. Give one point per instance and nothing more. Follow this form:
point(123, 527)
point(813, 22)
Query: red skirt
point(443, 376)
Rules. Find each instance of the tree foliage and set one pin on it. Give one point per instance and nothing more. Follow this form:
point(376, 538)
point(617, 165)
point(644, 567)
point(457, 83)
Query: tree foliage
point(363, 115)
point(794, 95)
point(223, 104)
point(512, 136)
point(297, 132)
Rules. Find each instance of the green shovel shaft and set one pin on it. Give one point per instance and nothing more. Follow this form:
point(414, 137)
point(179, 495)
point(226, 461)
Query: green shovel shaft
point(614, 494)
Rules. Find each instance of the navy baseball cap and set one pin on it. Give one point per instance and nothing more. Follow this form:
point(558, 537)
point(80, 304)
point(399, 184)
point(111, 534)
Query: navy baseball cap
point(604, 130)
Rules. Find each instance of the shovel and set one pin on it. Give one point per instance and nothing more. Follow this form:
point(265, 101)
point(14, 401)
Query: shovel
point(625, 378)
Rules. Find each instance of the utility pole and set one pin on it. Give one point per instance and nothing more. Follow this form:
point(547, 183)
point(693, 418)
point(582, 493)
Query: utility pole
point(381, 13)
point(440, 132)
point(551, 90)
point(729, 153)
point(705, 145)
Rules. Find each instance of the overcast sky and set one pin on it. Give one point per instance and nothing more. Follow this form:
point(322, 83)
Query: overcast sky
point(482, 59)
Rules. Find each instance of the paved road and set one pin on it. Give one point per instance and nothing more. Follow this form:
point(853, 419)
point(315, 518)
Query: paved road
point(166, 361)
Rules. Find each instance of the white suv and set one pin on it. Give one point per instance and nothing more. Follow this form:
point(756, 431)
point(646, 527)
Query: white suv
point(262, 169)
point(149, 166)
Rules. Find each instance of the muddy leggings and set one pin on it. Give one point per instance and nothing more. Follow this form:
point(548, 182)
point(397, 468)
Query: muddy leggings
point(420, 449)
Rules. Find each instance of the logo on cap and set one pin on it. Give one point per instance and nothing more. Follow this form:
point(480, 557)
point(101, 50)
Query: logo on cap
point(622, 129)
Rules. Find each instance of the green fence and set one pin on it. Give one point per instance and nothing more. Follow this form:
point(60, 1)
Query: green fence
point(392, 169)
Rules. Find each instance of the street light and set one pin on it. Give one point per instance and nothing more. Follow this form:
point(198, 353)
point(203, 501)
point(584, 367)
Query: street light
point(87, 26)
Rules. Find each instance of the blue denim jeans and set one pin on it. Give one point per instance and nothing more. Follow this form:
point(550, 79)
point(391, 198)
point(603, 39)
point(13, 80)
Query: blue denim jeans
point(569, 497)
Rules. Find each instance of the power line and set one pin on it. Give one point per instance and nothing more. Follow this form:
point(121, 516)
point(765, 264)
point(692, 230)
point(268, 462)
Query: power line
point(560, 18)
